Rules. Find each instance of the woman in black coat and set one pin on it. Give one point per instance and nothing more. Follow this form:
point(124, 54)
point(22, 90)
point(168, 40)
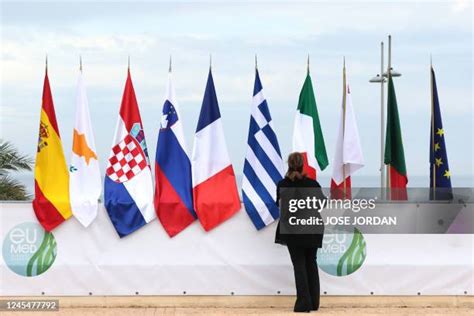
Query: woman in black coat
point(302, 247)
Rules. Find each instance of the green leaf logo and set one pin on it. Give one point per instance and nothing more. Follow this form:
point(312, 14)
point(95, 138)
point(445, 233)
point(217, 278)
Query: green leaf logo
point(28, 250)
point(342, 253)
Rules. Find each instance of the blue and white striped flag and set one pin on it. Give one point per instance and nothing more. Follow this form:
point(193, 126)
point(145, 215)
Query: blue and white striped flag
point(263, 167)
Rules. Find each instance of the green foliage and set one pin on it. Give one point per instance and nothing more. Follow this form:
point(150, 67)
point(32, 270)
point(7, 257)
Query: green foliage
point(12, 160)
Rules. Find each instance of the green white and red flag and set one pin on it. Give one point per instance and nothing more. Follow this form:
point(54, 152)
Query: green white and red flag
point(307, 134)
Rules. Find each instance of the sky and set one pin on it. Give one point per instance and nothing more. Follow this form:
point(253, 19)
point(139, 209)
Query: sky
point(282, 34)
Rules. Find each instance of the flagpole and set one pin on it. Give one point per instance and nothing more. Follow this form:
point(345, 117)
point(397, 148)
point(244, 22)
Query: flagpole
point(344, 122)
point(432, 128)
point(382, 120)
point(80, 63)
point(169, 69)
point(307, 65)
point(389, 76)
point(46, 64)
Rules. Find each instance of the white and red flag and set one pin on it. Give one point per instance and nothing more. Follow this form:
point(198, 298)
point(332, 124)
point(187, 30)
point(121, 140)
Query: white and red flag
point(348, 157)
point(214, 188)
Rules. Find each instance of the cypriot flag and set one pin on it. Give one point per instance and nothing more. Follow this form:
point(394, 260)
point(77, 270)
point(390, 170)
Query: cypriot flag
point(84, 181)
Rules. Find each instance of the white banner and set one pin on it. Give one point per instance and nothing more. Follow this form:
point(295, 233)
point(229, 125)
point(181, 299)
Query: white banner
point(234, 258)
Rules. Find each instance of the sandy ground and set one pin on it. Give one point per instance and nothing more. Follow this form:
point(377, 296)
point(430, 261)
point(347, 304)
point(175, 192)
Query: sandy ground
point(246, 311)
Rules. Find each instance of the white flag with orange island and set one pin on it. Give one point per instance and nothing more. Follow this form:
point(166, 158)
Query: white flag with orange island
point(84, 173)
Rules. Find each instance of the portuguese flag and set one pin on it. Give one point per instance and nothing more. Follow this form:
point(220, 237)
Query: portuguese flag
point(307, 134)
point(51, 203)
point(394, 154)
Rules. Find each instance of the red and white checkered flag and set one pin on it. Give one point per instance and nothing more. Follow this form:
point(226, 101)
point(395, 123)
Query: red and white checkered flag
point(126, 160)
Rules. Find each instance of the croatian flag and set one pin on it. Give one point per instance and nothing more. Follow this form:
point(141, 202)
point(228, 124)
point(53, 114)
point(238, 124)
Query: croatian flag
point(263, 167)
point(214, 188)
point(128, 191)
point(173, 190)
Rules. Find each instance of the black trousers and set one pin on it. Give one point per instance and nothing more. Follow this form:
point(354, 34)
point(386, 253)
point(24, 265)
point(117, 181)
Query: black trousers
point(306, 278)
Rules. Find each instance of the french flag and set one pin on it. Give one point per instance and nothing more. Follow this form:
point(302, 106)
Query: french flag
point(173, 190)
point(214, 188)
point(128, 185)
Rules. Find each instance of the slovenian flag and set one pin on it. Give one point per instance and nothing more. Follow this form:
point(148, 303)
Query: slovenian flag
point(128, 192)
point(348, 157)
point(173, 190)
point(307, 134)
point(51, 203)
point(214, 187)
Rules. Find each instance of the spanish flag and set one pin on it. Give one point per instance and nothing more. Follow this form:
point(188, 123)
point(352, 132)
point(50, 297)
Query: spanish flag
point(51, 203)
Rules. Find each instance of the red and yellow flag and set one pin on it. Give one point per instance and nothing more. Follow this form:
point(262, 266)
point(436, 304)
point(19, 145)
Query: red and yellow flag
point(51, 203)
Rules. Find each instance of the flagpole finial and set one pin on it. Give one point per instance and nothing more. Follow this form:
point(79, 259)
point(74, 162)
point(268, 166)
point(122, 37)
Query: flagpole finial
point(128, 62)
point(344, 61)
point(431, 60)
point(80, 63)
point(307, 64)
point(256, 65)
point(169, 69)
point(46, 63)
point(210, 61)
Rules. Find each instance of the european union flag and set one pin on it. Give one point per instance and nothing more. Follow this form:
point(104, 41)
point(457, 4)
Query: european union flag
point(440, 176)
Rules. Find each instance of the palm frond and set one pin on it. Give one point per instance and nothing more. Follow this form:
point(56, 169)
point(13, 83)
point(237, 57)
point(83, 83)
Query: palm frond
point(12, 160)
point(12, 190)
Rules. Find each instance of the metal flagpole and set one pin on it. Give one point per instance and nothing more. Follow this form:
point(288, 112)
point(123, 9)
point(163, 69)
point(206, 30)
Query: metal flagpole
point(382, 121)
point(307, 65)
point(80, 63)
point(432, 128)
point(344, 122)
point(389, 76)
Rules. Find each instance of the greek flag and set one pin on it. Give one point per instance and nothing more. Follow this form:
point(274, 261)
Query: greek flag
point(263, 167)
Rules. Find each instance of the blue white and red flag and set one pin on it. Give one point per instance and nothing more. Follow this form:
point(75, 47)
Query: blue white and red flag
point(128, 185)
point(173, 190)
point(214, 188)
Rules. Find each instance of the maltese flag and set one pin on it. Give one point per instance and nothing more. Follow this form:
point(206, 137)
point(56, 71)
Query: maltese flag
point(128, 192)
point(348, 157)
point(214, 188)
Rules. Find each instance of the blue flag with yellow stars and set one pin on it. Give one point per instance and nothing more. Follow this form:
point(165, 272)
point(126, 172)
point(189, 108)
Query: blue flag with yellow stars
point(440, 176)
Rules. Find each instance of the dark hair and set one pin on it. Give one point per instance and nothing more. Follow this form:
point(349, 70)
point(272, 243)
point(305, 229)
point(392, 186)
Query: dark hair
point(295, 166)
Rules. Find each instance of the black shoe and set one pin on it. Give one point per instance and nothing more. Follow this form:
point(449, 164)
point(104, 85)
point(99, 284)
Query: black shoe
point(301, 311)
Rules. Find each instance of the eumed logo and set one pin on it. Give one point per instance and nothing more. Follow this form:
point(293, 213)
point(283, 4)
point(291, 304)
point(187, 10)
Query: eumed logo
point(28, 250)
point(342, 253)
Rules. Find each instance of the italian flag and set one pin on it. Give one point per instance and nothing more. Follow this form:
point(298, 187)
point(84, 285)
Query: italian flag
point(307, 134)
point(394, 154)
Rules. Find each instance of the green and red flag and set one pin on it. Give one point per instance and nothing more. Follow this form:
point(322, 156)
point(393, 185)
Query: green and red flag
point(394, 154)
point(307, 134)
